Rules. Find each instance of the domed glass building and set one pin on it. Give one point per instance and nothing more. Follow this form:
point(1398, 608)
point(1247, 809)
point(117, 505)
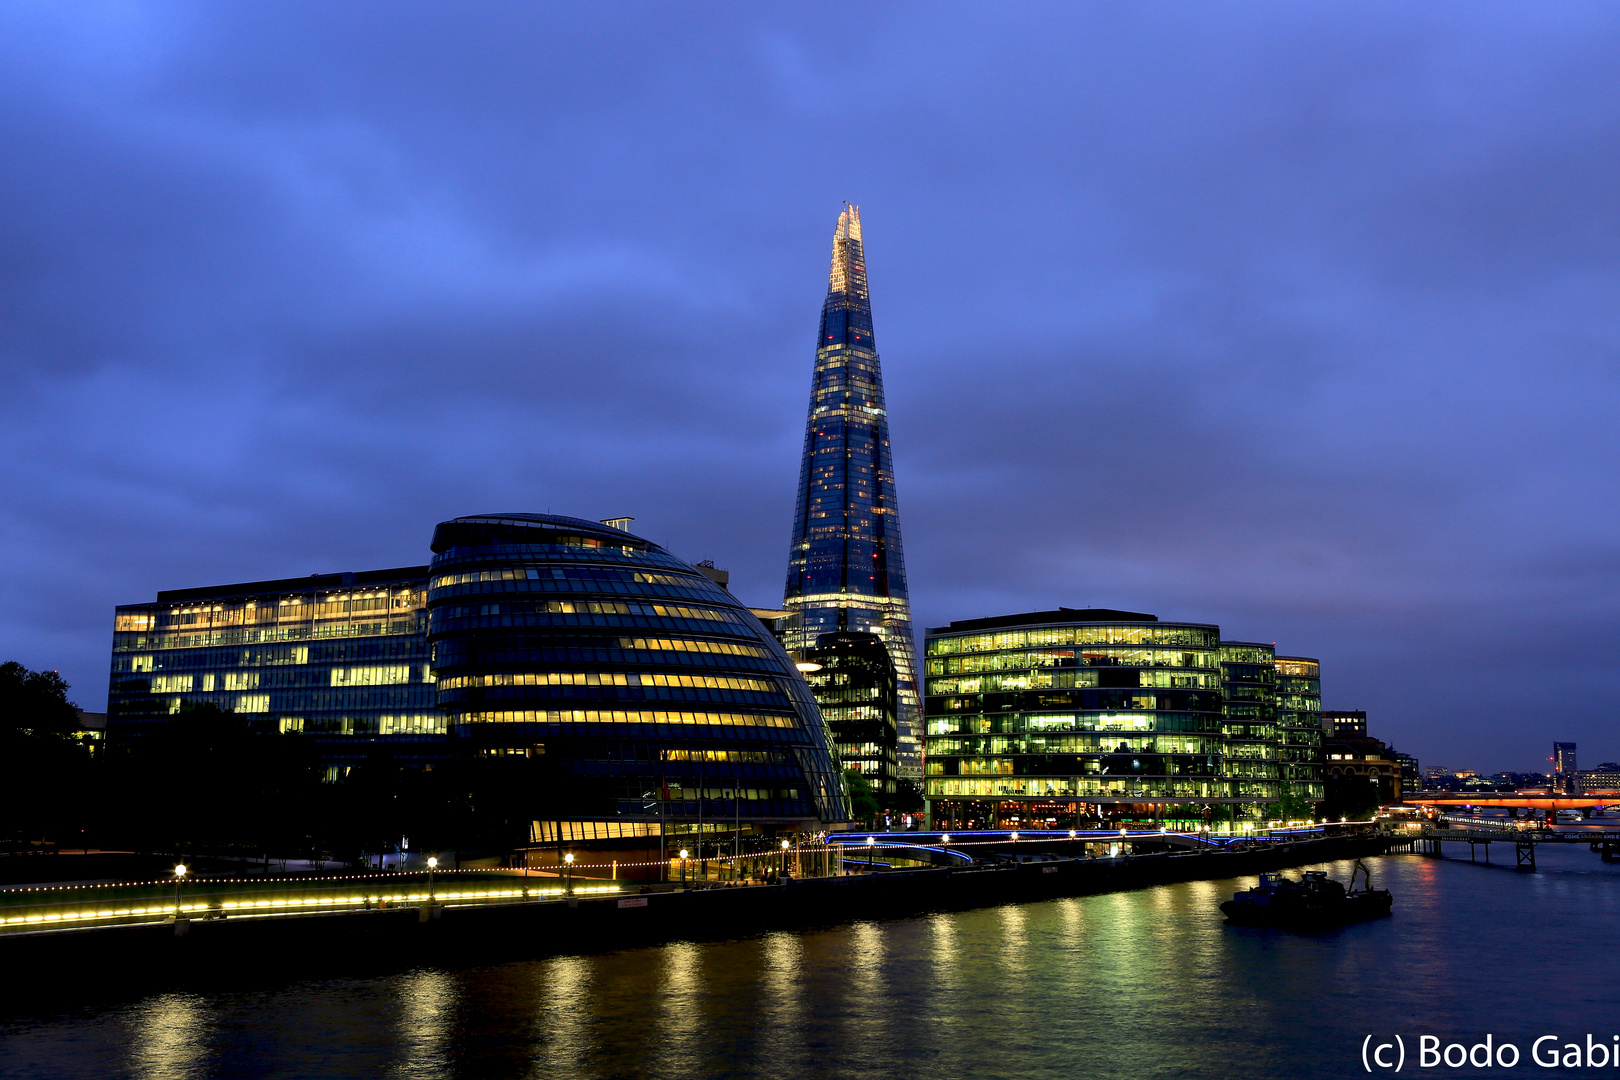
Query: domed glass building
point(636, 697)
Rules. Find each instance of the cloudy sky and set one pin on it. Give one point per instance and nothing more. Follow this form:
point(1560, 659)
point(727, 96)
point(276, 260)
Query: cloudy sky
point(1302, 319)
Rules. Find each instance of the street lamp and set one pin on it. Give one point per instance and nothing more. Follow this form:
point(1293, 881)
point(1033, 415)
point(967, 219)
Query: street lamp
point(785, 846)
point(179, 875)
point(433, 864)
point(683, 868)
point(568, 865)
point(1015, 834)
point(871, 845)
point(1071, 834)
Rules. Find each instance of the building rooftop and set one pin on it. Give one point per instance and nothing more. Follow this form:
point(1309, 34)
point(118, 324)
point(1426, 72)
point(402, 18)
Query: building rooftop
point(1034, 618)
point(453, 531)
point(284, 585)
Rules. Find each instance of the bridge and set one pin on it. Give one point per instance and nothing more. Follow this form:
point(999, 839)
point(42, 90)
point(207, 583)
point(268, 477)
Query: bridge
point(1429, 838)
point(1539, 800)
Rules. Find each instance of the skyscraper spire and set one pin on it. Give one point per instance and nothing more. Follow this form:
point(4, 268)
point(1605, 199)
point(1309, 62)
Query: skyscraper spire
point(846, 569)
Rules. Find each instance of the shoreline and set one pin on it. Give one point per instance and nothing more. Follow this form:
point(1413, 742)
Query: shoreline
point(319, 944)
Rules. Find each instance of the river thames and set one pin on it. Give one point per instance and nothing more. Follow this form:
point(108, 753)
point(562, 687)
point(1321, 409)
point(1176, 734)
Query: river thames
point(1126, 985)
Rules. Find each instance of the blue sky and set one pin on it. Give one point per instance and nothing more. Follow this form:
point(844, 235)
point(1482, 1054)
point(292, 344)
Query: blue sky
point(1302, 319)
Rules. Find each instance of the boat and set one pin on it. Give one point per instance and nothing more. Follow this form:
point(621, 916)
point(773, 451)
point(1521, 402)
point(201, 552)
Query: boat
point(1314, 900)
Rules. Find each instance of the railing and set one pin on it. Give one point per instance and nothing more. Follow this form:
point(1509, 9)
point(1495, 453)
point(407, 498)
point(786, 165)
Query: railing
point(71, 906)
point(62, 907)
point(66, 907)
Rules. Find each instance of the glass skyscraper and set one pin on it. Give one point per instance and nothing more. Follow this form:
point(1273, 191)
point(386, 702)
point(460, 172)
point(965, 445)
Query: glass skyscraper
point(846, 570)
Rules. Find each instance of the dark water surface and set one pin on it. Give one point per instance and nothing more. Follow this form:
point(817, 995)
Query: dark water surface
point(1127, 985)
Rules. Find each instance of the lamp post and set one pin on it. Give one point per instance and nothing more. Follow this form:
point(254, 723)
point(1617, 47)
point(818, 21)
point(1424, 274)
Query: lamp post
point(433, 864)
point(683, 868)
point(568, 868)
point(871, 845)
point(179, 876)
point(785, 846)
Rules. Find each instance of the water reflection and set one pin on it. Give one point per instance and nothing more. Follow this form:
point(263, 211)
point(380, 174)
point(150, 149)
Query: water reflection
point(1072, 913)
point(780, 976)
point(563, 1035)
point(1014, 940)
point(169, 1038)
point(678, 1034)
point(427, 1003)
point(867, 1013)
point(1122, 985)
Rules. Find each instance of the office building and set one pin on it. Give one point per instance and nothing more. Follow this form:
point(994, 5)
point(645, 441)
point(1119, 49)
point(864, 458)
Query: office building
point(1251, 748)
point(633, 696)
point(1605, 777)
point(1299, 726)
point(1411, 772)
point(1566, 773)
point(853, 679)
point(1072, 716)
point(846, 567)
point(1363, 774)
point(1345, 724)
point(342, 658)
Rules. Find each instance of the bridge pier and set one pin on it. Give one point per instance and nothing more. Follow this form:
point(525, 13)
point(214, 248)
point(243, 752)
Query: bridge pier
point(1525, 852)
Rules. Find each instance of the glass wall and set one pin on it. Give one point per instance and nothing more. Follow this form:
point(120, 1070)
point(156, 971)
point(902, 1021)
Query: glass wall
point(1073, 723)
point(854, 684)
point(1299, 725)
point(341, 657)
point(846, 566)
point(643, 696)
point(1249, 691)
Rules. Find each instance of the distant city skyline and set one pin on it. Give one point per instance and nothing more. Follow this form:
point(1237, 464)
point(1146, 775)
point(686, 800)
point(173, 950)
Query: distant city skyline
point(1294, 319)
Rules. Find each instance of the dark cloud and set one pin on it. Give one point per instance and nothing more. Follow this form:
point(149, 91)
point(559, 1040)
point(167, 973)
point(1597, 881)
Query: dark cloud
point(1302, 320)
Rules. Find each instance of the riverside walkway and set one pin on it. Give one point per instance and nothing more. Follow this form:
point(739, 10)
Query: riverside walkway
point(580, 908)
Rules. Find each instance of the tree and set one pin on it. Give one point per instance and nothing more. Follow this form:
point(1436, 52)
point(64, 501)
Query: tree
point(1290, 805)
point(906, 799)
point(863, 802)
point(34, 704)
point(45, 783)
point(210, 780)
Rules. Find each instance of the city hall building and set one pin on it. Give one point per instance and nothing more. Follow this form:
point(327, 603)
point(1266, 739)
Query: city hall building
point(634, 696)
point(652, 697)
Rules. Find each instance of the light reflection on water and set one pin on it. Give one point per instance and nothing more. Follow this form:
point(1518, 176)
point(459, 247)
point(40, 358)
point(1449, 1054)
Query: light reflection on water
point(427, 1023)
point(168, 1038)
point(1122, 985)
point(563, 1035)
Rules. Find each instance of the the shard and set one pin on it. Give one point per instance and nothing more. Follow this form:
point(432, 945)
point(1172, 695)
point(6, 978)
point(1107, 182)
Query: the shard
point(846, 570)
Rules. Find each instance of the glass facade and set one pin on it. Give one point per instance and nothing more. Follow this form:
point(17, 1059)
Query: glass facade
point(1065, 715)
point(647, 693)
point(1299, 725)
point(846, 567)
point(341, 657)
point(855, 686)
point(1249, 690)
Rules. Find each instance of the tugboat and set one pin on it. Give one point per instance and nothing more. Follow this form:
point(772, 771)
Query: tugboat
point(1315, 900)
